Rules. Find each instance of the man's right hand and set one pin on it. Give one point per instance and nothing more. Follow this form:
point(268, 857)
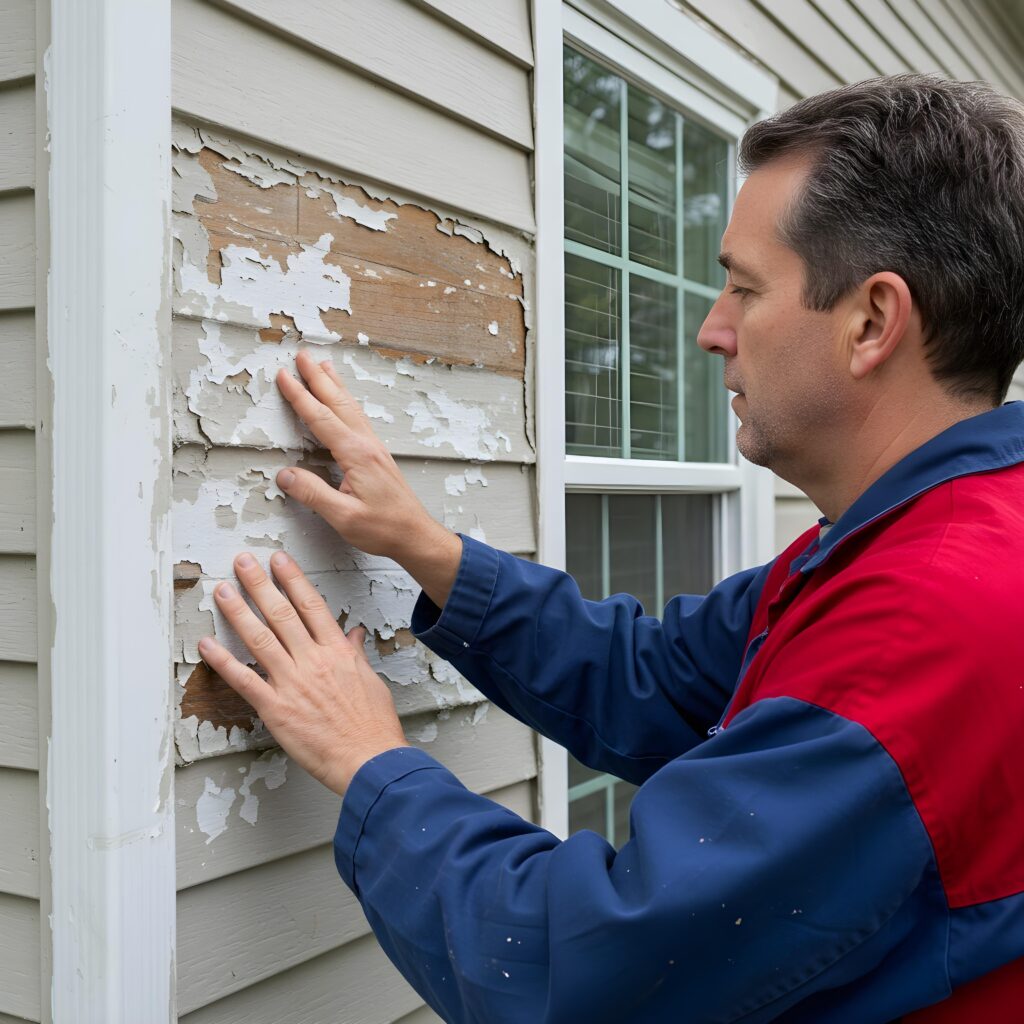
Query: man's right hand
point(374, 509)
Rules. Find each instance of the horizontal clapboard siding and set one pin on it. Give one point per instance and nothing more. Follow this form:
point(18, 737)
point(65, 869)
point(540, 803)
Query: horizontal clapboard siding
point(17, 491)
point(327, 111)
point(19, 716)
point(18, 358)
point(17, 137)
point(501, 24)
point(17, 40)
point(20, 982)
point(250, 925)
point(19, 837)
point(398, 43)
point(17, 608)
point(17, 251)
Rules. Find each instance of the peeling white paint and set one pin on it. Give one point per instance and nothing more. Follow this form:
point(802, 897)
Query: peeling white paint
point(455, 483)
point(363, 339)
point(492, 328)
point(377, 412)
point(212, 809)
point(273, 771)
point(448, 421)
point(425, 735)
point(346, 206)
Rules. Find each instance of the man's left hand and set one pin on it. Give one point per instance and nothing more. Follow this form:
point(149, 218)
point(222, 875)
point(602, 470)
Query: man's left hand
point(321, 700)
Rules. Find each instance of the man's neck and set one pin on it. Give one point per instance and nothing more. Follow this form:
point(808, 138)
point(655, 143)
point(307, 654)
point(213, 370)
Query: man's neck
point(860, 458)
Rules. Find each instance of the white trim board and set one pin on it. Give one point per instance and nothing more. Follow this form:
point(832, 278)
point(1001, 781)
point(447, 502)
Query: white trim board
point(109, 754)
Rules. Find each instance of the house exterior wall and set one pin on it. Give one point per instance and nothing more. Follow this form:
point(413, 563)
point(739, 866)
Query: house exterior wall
point(21, 842)
point(337, 184)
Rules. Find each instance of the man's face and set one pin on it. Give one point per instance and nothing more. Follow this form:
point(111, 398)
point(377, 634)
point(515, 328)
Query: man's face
point(784, 361)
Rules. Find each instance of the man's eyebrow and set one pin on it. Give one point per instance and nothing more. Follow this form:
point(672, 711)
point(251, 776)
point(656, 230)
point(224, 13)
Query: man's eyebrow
point(730, 263)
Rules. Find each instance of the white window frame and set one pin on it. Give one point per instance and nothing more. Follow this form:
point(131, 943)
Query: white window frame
point(663, 50)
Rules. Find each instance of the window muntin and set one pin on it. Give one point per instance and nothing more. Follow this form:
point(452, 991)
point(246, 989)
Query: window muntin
point(640, 265)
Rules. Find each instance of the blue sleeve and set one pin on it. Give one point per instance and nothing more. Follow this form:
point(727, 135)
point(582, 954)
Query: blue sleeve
point(772, 869)
point(624, 692)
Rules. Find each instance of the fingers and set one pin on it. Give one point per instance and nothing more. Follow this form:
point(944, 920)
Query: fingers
point(321, 420)
point(357, 638)
point(239, 677)
point(276, 609)
point(329, 388)
point(316, 494)
point(306, 599)
point(256, 635)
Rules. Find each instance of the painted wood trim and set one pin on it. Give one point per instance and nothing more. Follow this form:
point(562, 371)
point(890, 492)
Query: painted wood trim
point(17, 491)
point(236, 931)
point(398, 43)
point(17, 137)
point(370, 134)
point(17, 39)
point(19, 716)
point(820, 37)
point(110, 772)
point(18, 358)
point(20, 836)
point(17, 252)
point(20, 981)
point(501, 24)
point(300, 813)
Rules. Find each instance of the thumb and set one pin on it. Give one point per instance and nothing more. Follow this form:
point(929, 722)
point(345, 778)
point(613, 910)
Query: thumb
point(316, 494)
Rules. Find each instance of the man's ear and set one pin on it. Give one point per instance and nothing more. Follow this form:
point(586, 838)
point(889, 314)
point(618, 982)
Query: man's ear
point(880, 316)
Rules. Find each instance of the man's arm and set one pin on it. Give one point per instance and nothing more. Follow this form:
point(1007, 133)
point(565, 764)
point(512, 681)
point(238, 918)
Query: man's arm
point(780, 863)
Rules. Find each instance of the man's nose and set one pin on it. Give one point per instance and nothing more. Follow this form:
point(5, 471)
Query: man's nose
point(717, 335)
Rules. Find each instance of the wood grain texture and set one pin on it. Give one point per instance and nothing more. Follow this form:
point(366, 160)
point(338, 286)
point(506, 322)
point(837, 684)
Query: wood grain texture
point(17, 252)
point(18, 359)
point(356, 984)
point(301, 814)
point(414, 290)
point(20, 981)
point(17, 608)
point(19, 716)
point(19, 837)
point(17, 39)
point(17, 137)
point(400, 42)
point(17, 491)
point(502, 24)
point(327, 112)
point(235, 931)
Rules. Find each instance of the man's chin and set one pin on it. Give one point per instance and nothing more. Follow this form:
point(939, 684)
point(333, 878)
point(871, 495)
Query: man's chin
point(753, 446)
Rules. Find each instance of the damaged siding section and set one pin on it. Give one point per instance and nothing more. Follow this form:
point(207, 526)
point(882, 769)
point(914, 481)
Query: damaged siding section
point(425, 318)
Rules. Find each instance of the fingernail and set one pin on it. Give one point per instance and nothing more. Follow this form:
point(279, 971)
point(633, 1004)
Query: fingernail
point(246, 561)
point(279, 558)
point(285, 479)
point(226, 591)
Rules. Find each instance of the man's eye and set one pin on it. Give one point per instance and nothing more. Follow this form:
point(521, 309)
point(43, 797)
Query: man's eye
point(739, 291)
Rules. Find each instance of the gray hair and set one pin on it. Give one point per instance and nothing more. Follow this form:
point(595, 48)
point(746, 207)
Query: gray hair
point(924, 177)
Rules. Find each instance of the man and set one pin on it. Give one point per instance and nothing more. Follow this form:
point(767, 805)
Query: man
point(830, 749)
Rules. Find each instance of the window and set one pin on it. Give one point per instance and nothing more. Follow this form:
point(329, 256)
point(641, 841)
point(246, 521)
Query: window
point(646, 194)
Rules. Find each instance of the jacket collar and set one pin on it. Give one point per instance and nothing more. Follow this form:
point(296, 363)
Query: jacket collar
point(989, 441)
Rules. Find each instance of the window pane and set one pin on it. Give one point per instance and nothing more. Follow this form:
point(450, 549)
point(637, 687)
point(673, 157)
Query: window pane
point(631, 530)
point(624, 792)
point(706, 428)
point(688, 543)
point(583, 543)
point(592, 153)
point(653, 381)
point(591, 358)
point(652, 181)
point(706, 174)
point(588, 812)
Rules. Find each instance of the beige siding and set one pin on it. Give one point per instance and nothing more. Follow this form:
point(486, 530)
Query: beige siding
point(20, 982)
point(379, 193)
point(17, 40)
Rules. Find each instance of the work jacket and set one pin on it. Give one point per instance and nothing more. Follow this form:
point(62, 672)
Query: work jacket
point(830, 754)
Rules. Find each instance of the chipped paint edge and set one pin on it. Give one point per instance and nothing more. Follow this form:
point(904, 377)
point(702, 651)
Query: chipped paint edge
point(109, 786)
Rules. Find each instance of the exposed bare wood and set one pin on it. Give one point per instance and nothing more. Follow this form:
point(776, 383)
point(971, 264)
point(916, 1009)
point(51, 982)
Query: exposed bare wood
point(19, 716)
point(331, 114)
point(17, 491)
point(17, 251)
point(400, 43)
point(17, 136)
